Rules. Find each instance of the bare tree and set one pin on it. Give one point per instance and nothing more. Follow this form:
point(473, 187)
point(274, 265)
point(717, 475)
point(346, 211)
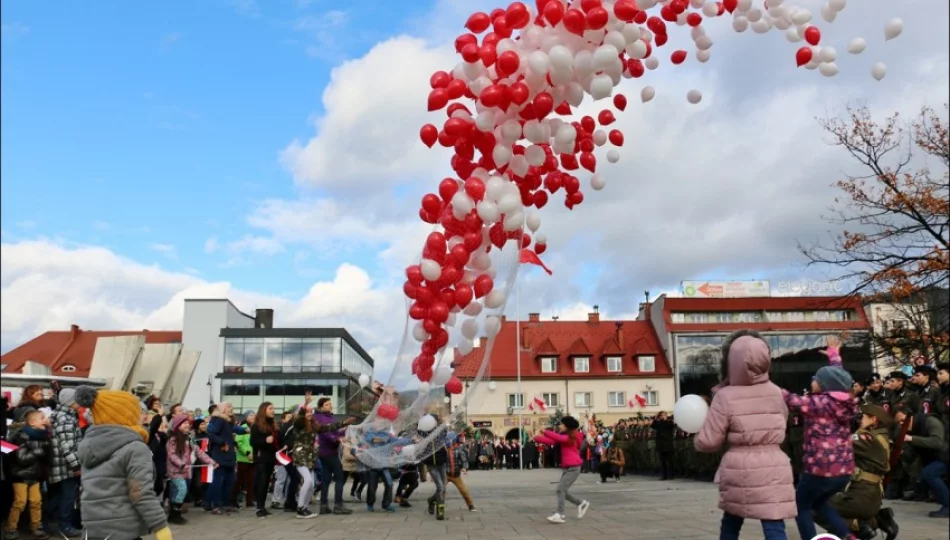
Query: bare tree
point(896, 221)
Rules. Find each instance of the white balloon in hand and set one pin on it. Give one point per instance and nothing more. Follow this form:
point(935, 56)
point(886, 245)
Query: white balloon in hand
point(427, 423)
point(893, 28)
point(879, 70)
point(364, 380)
point(689, 413)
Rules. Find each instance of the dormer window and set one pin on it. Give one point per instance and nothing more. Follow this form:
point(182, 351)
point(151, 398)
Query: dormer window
point(581, 364)
point(647, 364)
point(614, 364)
point(549, 364)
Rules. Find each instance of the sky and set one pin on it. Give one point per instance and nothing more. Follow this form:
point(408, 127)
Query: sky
point(269, 152)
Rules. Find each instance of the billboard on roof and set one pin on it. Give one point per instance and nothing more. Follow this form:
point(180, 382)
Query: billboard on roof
point(726, 289)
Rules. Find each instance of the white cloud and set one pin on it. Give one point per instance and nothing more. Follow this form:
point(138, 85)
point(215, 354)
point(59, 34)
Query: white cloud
point(167, 250)
point(255, 244)
point(211, 245)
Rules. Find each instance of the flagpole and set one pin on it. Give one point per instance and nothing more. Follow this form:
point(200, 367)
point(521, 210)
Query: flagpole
point(518, 356)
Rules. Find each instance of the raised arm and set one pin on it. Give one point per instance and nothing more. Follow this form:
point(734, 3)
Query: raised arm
point(713, 434)
point(833, 351)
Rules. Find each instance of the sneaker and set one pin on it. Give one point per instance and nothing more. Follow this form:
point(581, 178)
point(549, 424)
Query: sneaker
point(431, 507)
point(405, 504)
point(305, 513)
point(216, 512)
point(582, 509)
point(276, 506)
point(40, 534)
point(176, 519)
point(556, 518)
point(342, 511)
point(389, 509)
point(369, 508)
point(325, 510)
point(472, 509)
point(942, 513)
point(12, 534)
point(263, 514)
point(290, 509)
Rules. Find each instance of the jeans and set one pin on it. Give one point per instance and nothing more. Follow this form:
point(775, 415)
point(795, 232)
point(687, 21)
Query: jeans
point(280, 485)
point(245, 484)
point(439, 478)
point(332, 472)
point(812, 495)
point(731, 525)
point(408, 482)
point(293, 476)
point(374, 476)
point(262, 473)
point(306, 487)
point(64, 503)
point(222, 484)
point(931, 475)
point(463, 489)
point(568, 477)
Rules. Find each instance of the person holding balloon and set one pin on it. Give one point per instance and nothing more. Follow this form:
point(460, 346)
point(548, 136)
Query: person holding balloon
point(748, 413)
point(569, 440)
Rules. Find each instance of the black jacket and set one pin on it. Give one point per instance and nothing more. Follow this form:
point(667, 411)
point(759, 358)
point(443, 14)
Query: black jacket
point(265, 453)
point(665, 431)
point(32, 459)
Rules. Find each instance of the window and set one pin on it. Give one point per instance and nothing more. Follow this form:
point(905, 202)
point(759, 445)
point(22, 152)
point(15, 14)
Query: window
point(582, 364)
point(652, 398)
point(614, 364)
point(253, 356)
point(583, 400)
point(312, 350)
point(549, 364)
point(234, 356)
point(647, 364)
point(551, 399)
point(617, 399)
point(515, 401)
point(273, 352)
point(68, 369)
point(292, 356)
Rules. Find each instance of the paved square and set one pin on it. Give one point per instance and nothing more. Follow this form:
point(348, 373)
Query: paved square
point(513, 505)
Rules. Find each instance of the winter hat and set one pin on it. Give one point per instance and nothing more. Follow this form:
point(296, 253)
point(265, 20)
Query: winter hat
point(926, 370)
point(112, 407)
point(884, 419)
point(177, 421)
point(67, 397)
point(570, 422)
point(834, 379)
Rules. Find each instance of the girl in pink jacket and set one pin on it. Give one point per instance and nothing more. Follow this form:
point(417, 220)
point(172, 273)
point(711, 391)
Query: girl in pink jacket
point(569, 440)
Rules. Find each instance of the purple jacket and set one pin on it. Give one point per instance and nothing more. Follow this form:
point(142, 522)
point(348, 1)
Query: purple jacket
point(328, 441)
point(828, 451)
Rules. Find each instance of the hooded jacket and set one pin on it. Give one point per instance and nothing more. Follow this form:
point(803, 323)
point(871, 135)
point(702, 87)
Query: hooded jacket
point(31, 460)
point(118, 500)
point(221, 440)
point(828, 449)
point(749, 413)
point(179, 465)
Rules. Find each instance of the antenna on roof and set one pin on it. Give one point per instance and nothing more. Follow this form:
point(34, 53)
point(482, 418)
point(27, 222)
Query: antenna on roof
point(647, 294)
point(596, 309)
point(554, 317)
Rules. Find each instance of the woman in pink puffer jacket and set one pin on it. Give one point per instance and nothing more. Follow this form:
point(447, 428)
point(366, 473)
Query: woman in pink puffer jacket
point(749, 413)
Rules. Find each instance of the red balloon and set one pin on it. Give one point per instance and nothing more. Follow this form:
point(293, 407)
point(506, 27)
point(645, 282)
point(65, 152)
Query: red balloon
point(517, 16)
point(454, 386)
point(694, 19)
point(500, 25)
point(488, 54)
point(597, 18)
point(564, 109)
point(588, 161)
point(661, 39)
point(571, 184)
point(730, 5)
point(678, 57)
point(463, 295)
point(478, 22)
point(540, 248)
point(606, 117)
point(417, 312)
point(463, 40)
point(678, 6)
point(540, 199)
point(439, 79)
point(409, 290)
point(575, 198)
point(430, 326)
point(543, 104)
point(436, 241)
point(508, 63)
point(483, 285)
point(656, 25)
point(620, 101)
point(625, 10)
point(475, 188)
point(424, 375)
point(424, 295)
point(667, 14)
point(439, 312)
point(414, 274)
point(812, 35)
point(473, 240)
point(636, 67)
point(616, 137)
point(429, 135)
point(575, 22)
point(519, 94)
point(588, 124)
point(438, 98)
point(803, 56)
point(456, 88)
point(588, 5)
point(470, 53)
point(554, 12)
point(640, 17)
point(431, 203)
point(491, 96)
point(448, 188)
point(388, 411)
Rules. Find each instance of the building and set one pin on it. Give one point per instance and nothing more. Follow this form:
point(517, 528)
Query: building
point(246, 361)
point(691, 332)
point(583, 368)
point(895, 321)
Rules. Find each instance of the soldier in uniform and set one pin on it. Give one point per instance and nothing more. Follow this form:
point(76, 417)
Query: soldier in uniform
point(861, 500)
point(876, 394)
point(922, 383)
point(943, 384)
point(896, 384)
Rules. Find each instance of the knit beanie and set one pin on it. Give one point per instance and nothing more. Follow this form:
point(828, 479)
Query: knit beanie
point(834, 379)
point(570, 422)
point(177, 421)
point(112, 407)
point(67, 397)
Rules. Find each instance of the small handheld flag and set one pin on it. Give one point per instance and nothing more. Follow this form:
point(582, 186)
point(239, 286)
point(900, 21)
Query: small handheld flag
point(283, 458)
point(7, 447)
point(207, 474)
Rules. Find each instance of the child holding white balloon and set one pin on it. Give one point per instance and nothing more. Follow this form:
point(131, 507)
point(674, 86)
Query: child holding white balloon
point(749, 413)
point(569, 440)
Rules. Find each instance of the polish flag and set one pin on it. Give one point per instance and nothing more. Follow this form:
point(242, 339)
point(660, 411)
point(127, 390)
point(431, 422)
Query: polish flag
point(540, 404)
point(7, 447)
point(640, 402)
point(207, 474)
point(283, 458)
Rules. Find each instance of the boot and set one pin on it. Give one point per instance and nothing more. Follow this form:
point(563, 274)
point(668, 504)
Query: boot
point(325, 510)
point(175, 517)
point(342, 510)
point(865, 531)
point(887, 523)
point(440, 512)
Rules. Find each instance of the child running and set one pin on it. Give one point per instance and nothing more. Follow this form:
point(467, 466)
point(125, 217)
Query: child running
point(179, 451)
point(569, 439)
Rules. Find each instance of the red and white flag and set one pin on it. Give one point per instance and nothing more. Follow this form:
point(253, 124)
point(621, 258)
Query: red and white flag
point(207, 474)
point(539, 404)
point(7, 447)
point(283, 458)
point(530, 257)
point(637, 401)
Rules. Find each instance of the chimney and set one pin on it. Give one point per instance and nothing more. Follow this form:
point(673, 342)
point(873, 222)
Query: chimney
point(73, 330)
point(482, 341)
point(263, 318)
point(534, 317)
point(595, 316)
point(619, 326)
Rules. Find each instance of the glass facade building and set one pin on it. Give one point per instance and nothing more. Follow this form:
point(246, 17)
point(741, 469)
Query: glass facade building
point(280, 365)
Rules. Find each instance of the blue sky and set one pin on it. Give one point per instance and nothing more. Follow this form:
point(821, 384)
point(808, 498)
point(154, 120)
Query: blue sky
point(142, 127)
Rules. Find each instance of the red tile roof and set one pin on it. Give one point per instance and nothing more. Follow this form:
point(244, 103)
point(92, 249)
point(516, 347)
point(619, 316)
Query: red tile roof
point(562, 339)
point(74, 347)
point(781, 303)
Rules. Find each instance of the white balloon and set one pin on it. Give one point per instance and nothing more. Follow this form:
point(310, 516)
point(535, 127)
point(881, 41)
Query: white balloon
point(694, 96)
point(440, 377)
point(600, 137)
point(492, 326)
point(496, 188)
point(857, 46)
point(828, 14)
point(754, 15)
point(637, 50)
point(539, 63)
point(613, 155)
point(740, 24)
point(511, 131)
point(535, 155)
point(450, 322)
point(893, 28)
point(710, 9)
point(704, 43)
point(465, 346)
point(427, 423)
point(469, 328)
point(781, 23)
point(364, 380)
point(743, 6)
point(540, 238)
point(651, 63)
point(423, 389)
point(792, 34)
point(597, 182)
point(566, 134)
point(604, 56)
point(828, 69)
point(614, 39)
point(515, 220)
point(508, 203)
point(702, 56)
point(631, 33)
point(837, 5)
point(827, 54)
point(419, 333)
point(761, 26)
point(690, 413)
point(879, 70)
point(473, 309)
point(560, 58)
point(601, 86)
point(431, 270)
point(647, 94)
point(801, 16)
point(495, 299)
point(462, 202)
point(812, 64)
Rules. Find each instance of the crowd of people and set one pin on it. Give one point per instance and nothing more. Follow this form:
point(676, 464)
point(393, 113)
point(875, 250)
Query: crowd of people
point(828, 456)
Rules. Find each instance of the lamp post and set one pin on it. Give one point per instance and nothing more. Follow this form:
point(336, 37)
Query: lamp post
point(210, 393)
point(466, 403)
